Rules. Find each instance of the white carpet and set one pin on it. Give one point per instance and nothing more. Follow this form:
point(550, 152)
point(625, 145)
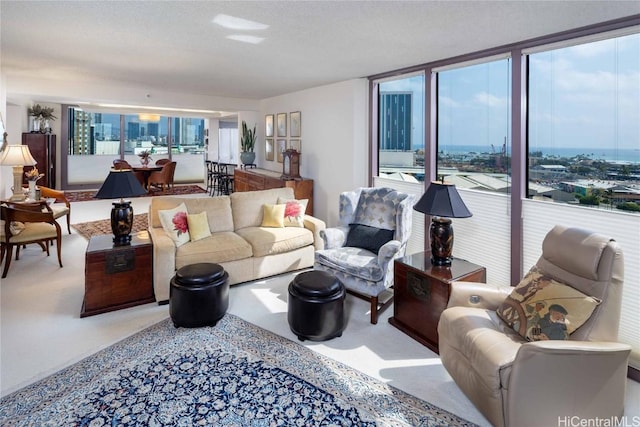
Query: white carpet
point(41, 331)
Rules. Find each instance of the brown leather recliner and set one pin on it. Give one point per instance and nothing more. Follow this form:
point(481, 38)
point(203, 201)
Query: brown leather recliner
point(518, 383)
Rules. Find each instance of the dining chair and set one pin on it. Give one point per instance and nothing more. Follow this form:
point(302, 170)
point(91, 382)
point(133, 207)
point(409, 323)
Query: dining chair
point(27, 223)
point(163, 177)
point(60, 206)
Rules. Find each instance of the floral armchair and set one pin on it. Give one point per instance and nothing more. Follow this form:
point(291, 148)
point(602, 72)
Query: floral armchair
point(374, 228)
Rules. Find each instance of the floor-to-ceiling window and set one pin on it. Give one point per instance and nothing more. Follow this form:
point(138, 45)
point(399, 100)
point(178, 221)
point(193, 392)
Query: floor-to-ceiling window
point(401, 147)
point(95, 139)
point(547, 134)
point(584, 151)
point(473, 152)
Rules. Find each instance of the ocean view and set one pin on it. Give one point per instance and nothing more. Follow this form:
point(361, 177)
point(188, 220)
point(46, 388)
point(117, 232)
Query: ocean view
point(609, 154)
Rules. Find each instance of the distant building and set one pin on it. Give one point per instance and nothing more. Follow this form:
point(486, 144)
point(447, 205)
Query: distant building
point(395, 121)
point(547, 172)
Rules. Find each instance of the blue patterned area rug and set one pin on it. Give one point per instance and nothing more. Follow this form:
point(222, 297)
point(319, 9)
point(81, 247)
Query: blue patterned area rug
point(234, 374)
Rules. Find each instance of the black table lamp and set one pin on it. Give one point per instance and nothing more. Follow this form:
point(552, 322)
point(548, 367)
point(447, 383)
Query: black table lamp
point(441, 201)
point(121, 184)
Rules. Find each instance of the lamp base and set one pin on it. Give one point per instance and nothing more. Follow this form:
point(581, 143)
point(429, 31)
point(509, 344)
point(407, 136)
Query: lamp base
point(121, 222)
point(441, 235)
point(18, 193)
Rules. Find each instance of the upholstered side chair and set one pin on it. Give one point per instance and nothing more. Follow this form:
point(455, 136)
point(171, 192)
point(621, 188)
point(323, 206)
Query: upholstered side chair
point(27, 223)
point(373, 229)
point(520, 381)
point(61, 206)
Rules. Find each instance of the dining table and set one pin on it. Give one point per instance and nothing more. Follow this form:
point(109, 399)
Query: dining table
point(146, 172)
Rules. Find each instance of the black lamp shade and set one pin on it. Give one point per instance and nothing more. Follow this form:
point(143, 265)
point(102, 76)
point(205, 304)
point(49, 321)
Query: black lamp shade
point(442, 201)
point(120, 184)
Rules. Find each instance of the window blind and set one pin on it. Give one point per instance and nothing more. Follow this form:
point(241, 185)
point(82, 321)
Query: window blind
point(539, 217)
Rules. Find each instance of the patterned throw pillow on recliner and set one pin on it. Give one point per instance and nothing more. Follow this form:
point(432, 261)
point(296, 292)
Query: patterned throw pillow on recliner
point(541, 308)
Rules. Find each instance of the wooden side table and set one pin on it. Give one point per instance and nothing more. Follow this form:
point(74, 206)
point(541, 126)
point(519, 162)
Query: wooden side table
point(117, 277)
point(421, 293)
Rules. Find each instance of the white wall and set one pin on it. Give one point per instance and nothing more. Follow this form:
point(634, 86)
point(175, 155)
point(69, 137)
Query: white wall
point(334, 135)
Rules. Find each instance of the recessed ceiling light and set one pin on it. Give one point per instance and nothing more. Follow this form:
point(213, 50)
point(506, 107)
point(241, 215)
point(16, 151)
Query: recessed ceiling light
point(235, 23)
point(246, 39)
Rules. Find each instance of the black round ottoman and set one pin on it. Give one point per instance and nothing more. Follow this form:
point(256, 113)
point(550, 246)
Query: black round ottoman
point(198, 295)
point(316, 306)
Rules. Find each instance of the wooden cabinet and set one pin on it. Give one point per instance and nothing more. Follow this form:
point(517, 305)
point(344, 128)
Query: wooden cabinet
point(117, 276)
point(262, 179)
point(421, 293)
point(43, 149)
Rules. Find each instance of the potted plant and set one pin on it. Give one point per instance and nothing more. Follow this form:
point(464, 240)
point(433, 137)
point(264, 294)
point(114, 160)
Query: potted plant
point(247, 144)
point(41, 117)
point(145, 157)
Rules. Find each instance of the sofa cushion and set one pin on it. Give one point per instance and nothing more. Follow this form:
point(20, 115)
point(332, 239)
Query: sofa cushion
point(219, 247)
point(269, 241)
point(294, 211)
point(218, 210)
point(273, 216)
point(247, 205)
point(198, 226)
point(174, 222)
point(541, 308)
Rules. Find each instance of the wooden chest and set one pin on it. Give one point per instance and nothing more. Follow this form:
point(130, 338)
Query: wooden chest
point(117, 276)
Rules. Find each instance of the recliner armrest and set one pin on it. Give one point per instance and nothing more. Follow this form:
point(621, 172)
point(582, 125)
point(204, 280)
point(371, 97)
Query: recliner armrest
point(478, 295)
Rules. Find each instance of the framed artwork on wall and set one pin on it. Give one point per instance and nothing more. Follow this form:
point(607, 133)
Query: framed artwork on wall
point(268, 148)
point(295, 144)
point(282, 124)
point(282, 147)
point(295, 124)
point(268, 126)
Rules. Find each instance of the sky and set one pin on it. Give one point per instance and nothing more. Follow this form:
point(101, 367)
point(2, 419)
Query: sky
point(580, 96)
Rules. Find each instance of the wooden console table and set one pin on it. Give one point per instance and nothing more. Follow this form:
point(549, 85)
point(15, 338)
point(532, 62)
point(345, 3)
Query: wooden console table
point(421, 293)
point(117, 276)
point(263, 179)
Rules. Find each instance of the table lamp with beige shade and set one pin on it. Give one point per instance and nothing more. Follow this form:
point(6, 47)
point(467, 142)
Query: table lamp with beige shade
point(17, 156)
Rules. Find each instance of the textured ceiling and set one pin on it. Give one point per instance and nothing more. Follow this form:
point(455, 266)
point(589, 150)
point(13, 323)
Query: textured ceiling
point(175, 46)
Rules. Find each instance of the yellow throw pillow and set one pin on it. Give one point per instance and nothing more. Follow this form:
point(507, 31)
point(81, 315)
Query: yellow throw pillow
point(541, 308)
point(174, 222)
point(273, 215)
point(198, 226)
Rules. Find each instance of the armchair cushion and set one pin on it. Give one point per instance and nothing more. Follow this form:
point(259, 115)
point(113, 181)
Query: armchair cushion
point(541, 308)
point(356, 262)
point(367, 237)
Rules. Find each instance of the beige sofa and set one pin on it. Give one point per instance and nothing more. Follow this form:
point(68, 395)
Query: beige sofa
point(246, 250)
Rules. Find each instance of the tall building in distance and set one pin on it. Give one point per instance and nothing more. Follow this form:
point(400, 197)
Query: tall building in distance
point(395, 121)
